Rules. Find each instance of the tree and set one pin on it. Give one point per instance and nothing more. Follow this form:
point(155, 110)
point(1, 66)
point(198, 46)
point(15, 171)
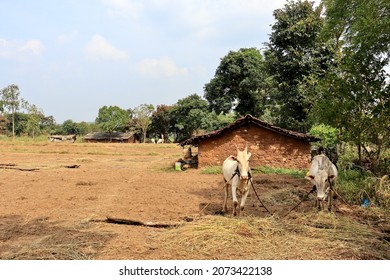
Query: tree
point(190, 114)
point(35, 117)
point(83, 128)
point(11, 102)
point(142, 117)
point(112, 118)
point(161, 121)
point(239, 84)
point(20, 120)
point(295, 57)
point(358, 83)
point(221, 120)
point(69, 127)
point(327, 134)
point(48, 125)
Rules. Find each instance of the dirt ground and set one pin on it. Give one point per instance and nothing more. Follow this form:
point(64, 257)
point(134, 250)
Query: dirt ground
point(55, 199)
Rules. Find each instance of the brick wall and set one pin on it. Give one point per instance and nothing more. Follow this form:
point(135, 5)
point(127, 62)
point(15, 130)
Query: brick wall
point(268, 148)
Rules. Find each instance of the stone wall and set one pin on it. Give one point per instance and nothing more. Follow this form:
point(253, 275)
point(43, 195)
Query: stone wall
point(268, 148)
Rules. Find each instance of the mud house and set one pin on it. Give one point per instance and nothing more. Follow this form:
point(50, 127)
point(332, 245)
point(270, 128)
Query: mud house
point(113, 137)
point(270, 145)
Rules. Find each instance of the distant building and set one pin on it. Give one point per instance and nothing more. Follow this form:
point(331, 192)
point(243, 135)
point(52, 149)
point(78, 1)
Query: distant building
point(270, 145)
point(61, 138)
point(113, 137)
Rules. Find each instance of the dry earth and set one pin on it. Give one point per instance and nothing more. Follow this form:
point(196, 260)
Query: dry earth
point(51, 211)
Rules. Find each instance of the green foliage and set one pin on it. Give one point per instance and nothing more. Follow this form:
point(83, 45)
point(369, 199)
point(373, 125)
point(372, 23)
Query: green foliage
point(84, 128)
point(10, 98)
point(112, 118)
point(69, 127)
point(11, 102)
point(190, 114)
point(19, 124)
point(278, 170)
point(32, 123)
point(211, 170)
point(48, 125)
point(357, 84)
point(354, 186)
point(260, 170)
point(238, 84)
point(296, 56)
point(221, 120)
point(35, 117)
point(162, 120)
point(142, 117)
point(328, 135)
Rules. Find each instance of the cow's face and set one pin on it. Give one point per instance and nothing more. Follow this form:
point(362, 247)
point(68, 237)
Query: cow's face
point(322, 182)
point(243, 163)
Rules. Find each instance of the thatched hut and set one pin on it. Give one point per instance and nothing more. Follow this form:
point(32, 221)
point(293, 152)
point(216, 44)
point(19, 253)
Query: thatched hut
point(113, 137)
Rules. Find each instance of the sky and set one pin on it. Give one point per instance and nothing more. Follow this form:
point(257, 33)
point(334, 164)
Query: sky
point(72, 57)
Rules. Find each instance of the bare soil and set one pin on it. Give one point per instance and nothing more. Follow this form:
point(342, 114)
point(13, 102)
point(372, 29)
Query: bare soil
point(55, 199)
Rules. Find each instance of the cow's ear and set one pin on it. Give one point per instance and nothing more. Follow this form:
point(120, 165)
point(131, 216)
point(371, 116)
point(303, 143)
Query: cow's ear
point(309, 177)
point(249, 155)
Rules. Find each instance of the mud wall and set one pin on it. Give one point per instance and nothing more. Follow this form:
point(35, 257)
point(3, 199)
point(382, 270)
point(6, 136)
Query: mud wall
point(268, 148)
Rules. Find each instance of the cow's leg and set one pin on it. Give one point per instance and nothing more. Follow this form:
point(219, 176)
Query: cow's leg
point(224, 206)
point(243, 199)
point(330, 195)
point(235, 201)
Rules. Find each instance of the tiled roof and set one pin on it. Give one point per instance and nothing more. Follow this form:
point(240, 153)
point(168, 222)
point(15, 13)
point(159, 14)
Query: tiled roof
point(248, 119)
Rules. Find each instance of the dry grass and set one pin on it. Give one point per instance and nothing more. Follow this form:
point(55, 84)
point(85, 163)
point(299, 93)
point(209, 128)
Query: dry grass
point(303, 236)
point(40, 239)
point(382, 191)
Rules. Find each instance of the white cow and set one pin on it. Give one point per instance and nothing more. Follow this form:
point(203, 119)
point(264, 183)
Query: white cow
point(323, 174)
point(237, 174)
point(161, 140)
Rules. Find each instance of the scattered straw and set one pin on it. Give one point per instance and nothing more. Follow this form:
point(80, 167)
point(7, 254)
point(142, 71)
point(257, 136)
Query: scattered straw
point(310, 236)
point(40, 239)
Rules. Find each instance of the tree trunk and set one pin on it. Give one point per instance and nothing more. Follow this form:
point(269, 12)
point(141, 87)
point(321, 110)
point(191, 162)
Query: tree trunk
point(360, 156)
point(13, 125)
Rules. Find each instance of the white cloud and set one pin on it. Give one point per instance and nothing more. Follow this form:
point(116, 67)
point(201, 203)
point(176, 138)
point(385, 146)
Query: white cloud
point(34, 46)
point(67, 38)
point(20, 49)
point(164, 66)
point(99, 48)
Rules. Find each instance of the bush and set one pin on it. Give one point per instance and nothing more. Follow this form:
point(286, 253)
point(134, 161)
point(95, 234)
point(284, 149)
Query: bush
point(355, 186)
